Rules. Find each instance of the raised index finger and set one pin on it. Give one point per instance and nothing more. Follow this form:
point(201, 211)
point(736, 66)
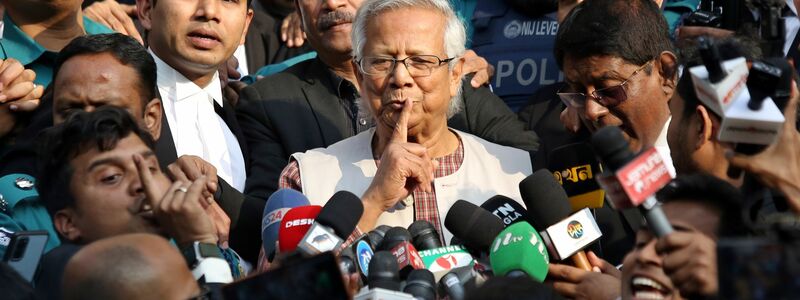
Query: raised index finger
point(400, 133)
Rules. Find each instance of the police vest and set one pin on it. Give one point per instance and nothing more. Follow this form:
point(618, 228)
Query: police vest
point(519, 47)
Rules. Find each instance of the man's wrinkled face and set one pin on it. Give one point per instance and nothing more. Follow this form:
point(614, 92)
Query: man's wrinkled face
point(643, 275)
point(86, 82)
point(391, 35)
point(641, 116)
point(109, 197)
point(327, 24)
point(195, 35)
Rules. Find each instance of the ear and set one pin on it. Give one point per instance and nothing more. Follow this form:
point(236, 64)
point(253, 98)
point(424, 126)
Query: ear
point(357, 72)
point(247, 20)
point(667, 67)
point(455, 76)
point(706, 129)
point(143, 9)
point(64, 223)
point(152, 117)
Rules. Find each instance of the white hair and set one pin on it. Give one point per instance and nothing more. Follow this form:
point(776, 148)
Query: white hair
point(455, 35)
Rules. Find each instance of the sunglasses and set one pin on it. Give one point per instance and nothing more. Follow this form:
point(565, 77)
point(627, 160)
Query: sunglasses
point(608, 97)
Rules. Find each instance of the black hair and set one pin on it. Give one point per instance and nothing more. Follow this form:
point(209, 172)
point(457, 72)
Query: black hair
point(125, 49)
point(633, 30)
point(101, 129)
point(715, 193)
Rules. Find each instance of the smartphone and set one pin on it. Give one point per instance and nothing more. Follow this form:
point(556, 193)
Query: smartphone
point(24, 252)
point(316, 277)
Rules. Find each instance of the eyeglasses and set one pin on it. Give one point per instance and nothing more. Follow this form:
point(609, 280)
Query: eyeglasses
point(608, 97)
point(417, 65)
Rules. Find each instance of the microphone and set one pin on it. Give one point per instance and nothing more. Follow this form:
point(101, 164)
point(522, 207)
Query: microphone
point(377, 234)
point(398, 242)
point(475, 226)
point(508, 210)
point(294, 226)
point(383, 272)
point(335, 222)
point(718, 84)
point(550, 212)
point(277, 205)
point(519, 251)
point(632, 180)
point(575, 166)
point(424, 235)
point(421, 285)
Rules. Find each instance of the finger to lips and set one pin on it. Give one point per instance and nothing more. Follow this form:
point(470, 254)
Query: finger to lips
point(150, 189)
point(401, 127)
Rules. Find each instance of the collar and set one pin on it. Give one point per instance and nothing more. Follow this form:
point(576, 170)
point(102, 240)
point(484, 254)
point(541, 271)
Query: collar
point(661, 141)
point(340, 83)
point(179, 87)
point(791, 6)
point(662, 146)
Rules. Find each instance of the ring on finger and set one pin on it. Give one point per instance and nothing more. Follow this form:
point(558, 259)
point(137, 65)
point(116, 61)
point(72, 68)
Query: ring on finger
point(183, 189)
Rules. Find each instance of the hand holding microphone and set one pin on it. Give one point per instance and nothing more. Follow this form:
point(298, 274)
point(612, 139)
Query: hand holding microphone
point(603, 282)
point(689, 258)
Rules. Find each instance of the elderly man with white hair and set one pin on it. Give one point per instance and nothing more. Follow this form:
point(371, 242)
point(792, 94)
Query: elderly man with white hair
point(410, 166)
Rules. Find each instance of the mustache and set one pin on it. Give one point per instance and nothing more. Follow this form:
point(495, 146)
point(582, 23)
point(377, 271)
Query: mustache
point(335, 17)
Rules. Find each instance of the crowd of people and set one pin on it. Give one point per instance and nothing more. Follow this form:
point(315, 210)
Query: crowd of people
point(399, 149)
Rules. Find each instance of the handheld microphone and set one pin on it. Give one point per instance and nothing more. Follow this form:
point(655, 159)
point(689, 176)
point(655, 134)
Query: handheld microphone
point(377, 234)
point(633, 180)
point(398, 242)
point(335, 222)
point(519, 251)
point(549, 207)
point(294, 226)
point(421, 285)
point(508, 210)
point(575, 167)
point(383, 272)
point(277, 205)
point(424, 235)
point(475, 226)
point(393, 237)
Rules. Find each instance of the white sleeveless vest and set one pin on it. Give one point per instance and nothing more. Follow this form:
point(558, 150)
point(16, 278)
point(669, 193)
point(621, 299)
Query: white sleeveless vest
point(488, 170)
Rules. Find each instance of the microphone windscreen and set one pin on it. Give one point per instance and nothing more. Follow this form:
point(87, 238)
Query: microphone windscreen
point(277, 205)
point(575, 167)
point(294, 226)
point(424, 235)
point(508, 210)
point(383, 271)
point(393, 237)
point(546, 201)
point(341, 213)
point(519, 248)
point(610, 145)
point(475, 226)
point(421, 284)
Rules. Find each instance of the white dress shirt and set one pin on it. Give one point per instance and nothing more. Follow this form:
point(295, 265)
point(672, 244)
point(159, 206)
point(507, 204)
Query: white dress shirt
point(662, 146)
point(196, 129)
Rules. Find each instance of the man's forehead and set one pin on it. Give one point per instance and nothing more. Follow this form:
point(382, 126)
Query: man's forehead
point(121, 153)
point(595, 67)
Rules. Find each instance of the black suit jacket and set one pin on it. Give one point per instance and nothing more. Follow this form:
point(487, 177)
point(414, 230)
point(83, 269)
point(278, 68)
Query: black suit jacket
point(245, 228)
point(263, 45)
point(298, 110)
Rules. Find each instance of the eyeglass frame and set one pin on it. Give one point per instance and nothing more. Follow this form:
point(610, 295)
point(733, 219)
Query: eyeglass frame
point(405, 63)
point(567, 98)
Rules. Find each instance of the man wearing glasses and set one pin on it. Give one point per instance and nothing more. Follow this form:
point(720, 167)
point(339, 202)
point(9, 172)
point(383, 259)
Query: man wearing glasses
point(410, 166)
point(315, 103)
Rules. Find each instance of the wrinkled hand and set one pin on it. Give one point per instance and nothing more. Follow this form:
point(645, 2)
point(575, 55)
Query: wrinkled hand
point(18, 93)
point(478, 65)
point(690, 261)
point(403, 167)
point(179, 213)
point(778, 166)
point(115, 16)
point(292, 30)
point(601, 284)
